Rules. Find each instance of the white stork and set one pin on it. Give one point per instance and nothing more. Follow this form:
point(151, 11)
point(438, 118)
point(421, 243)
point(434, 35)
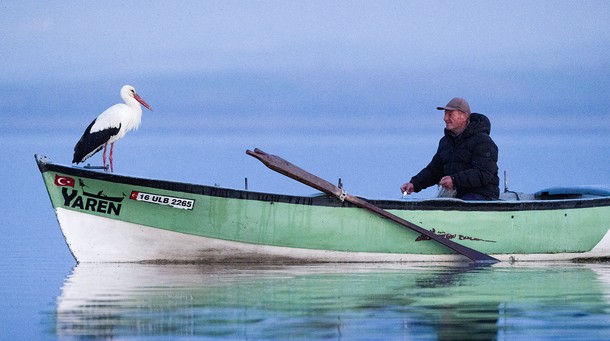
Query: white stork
point(110, 126)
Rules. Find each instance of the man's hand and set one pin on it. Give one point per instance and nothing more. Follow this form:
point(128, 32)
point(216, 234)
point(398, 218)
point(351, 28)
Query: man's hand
point(446, 182)
point(407, 188)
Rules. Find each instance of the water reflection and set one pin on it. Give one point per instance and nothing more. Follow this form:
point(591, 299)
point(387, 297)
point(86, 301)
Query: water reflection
point(337, 302)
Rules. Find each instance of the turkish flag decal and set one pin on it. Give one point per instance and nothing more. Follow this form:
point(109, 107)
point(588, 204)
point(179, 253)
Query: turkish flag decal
point(64, 181)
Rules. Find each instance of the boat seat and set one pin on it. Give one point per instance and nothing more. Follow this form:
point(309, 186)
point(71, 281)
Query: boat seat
point(557, 193)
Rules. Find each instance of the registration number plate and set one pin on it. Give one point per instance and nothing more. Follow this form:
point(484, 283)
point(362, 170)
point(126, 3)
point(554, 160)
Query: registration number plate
point(181, 203)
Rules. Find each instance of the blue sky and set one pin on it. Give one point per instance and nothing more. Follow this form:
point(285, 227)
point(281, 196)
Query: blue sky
point(127, 38)
point(343, 88)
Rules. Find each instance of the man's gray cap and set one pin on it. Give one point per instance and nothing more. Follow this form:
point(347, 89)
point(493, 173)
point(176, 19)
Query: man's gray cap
point(457, 104)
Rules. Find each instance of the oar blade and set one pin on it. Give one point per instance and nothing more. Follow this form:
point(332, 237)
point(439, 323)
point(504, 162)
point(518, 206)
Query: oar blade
point(286, 168)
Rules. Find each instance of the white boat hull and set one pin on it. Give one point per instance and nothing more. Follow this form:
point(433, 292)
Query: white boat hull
point(109, 240)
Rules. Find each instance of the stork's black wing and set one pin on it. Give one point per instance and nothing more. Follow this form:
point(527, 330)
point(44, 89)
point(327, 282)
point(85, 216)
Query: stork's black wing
point(91, 143)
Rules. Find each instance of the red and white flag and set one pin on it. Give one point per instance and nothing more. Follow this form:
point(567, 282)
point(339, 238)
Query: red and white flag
point(64, 181)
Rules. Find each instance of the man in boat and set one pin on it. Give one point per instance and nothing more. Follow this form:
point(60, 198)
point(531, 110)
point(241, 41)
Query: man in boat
point(466, 160)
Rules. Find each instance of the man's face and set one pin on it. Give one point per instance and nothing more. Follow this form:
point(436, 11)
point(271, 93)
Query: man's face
point(455, 120)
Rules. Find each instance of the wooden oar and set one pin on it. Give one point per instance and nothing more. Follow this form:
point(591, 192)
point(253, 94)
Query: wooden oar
point(282, 166)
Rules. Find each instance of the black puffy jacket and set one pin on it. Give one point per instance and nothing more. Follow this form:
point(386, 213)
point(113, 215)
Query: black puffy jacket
point(471, 159)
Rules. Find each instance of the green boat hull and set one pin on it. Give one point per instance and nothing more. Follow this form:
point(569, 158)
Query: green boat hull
point(113, 218)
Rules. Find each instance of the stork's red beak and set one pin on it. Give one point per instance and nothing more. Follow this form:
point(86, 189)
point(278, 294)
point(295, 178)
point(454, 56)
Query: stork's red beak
point(139, 99)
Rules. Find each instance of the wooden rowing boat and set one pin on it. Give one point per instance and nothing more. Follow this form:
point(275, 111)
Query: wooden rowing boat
point(114, 218)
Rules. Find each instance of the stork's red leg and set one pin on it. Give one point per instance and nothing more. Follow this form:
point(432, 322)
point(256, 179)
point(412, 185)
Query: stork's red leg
point(104, 155)
point(111, 149)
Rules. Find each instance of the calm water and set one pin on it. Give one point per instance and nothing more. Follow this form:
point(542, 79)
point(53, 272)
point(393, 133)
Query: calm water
point(331, 301)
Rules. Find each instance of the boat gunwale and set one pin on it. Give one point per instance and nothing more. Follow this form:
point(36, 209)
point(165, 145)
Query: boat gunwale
point(444, 204)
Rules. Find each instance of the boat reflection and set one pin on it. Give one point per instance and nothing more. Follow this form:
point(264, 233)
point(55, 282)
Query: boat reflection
point(334, 301)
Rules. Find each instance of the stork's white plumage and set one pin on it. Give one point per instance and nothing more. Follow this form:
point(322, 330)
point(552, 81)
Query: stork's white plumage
point(110, 126)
